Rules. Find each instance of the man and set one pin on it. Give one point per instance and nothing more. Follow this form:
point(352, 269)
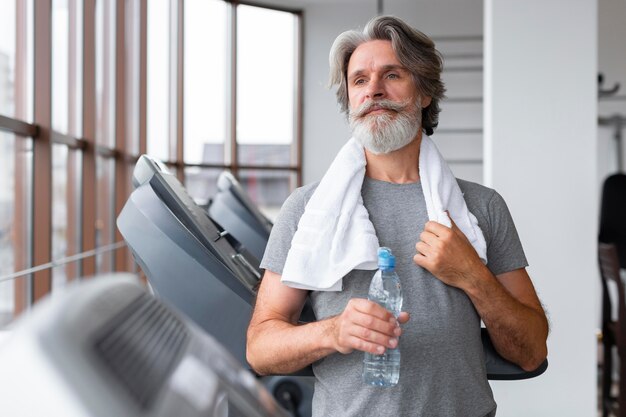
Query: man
point(389, 83)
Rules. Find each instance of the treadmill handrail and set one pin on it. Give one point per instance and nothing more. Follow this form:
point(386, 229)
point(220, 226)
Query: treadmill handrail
point(498, 368)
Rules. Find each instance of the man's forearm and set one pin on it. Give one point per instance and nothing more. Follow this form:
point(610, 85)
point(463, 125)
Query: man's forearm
point(507, 304)
point(278, 347)
point(517, 330)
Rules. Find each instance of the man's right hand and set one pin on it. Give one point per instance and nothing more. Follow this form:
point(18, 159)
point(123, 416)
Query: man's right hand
point(278, 344)
point(364, 325)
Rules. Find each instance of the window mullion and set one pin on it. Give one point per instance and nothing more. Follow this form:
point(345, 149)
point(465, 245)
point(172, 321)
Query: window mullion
point(42, 151)
point(88, 177)
point(73, 191)
point(121, 175)
point(143, 76)
point(232, 149)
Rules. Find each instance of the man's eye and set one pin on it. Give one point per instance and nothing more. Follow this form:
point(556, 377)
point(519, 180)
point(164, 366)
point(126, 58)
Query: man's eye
point(359, 81)
point(393, 76)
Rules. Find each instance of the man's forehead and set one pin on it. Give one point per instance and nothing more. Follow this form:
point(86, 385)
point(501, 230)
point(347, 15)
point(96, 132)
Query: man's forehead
point(373, 54)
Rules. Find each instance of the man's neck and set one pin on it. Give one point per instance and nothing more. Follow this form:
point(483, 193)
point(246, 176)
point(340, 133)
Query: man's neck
point(399, 167)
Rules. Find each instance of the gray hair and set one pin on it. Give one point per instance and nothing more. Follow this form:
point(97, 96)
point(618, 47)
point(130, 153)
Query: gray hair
point(415, 51)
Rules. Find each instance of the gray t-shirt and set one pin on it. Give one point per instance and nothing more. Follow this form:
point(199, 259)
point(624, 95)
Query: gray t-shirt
point(442, 366)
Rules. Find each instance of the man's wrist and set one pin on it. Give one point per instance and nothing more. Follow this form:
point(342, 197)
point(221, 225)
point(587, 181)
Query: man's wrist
point(327, 340)
point(477, 280)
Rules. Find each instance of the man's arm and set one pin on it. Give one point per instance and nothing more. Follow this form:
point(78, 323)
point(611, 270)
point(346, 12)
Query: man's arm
point(507, 304)
point(277, 344)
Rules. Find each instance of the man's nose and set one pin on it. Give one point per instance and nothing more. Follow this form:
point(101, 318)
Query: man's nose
point(375, 89)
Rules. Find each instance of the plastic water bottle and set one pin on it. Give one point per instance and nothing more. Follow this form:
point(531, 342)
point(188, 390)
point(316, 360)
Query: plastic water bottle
point(384, 370)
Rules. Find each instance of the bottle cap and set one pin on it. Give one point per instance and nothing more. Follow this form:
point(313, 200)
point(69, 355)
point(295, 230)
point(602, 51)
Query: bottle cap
point(385, 259)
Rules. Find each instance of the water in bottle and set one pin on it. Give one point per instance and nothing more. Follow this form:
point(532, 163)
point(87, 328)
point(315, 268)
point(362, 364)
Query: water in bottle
point(384, 370)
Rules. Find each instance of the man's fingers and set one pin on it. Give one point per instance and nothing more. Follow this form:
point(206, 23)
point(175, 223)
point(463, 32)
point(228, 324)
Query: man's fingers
point(371, 336)
point(403, 317)
point(423, 248)
point(369, 327)
point(365, 346)
point(429, 238)
point(373, 326)
point(436, 228)
point(354, 336)
point(369, 308)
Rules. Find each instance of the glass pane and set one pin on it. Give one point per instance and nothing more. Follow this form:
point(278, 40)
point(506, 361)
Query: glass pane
point(15, 222)
point(7, 298)
point(76, 68)
point(74, 214)
point(201, 183)
point(105, 73)
point(265, 93)
point(60, 61)
point(206, 81)
point(158, 79)
point(24, 80)
point(130, 266)
point(104, 211)
point(7, 219)
point(59, 212)
point(268, 189)
point(133, 42)
point(7, 58)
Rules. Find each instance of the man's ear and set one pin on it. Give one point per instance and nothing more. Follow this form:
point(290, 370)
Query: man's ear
point(426, 100)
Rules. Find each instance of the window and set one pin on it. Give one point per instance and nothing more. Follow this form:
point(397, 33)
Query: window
point(7, 161)
point(7, 58)
point(206, 119)
point(66, 120)
point(59, 211)
point(60, 63)
point(266, 93)
point(266, 103)
point(241, 100)
point(8, 248)
point(15, 156)
point(168, 77)
point(158, 78)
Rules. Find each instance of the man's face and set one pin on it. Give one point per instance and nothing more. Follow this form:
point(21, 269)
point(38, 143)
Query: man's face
point(385, 107)
point(374, 73)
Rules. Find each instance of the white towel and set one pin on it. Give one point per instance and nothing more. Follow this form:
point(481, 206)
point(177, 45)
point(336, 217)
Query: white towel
point(335, 235)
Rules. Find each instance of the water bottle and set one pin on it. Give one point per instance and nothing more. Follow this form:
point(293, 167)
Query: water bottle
point(384, 370)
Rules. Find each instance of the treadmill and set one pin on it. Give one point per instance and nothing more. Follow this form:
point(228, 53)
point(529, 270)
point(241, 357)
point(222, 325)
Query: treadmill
point(199, 268)
point(104, 347)
point(232, 209)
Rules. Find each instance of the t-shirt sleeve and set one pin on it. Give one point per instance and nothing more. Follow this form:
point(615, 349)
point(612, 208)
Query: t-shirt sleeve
point(504, 248)
point(282, 233)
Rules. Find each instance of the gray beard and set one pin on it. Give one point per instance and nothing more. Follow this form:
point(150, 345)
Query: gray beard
point(382, 133)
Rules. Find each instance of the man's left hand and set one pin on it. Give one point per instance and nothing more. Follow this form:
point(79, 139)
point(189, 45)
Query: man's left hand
point(447, 254)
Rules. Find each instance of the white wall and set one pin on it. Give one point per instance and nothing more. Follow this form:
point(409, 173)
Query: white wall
point(540, 153)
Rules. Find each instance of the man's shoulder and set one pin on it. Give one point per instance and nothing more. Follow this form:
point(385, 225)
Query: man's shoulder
point(477, 196)
point(475, 190)
point(294, 205)
point(305, 192)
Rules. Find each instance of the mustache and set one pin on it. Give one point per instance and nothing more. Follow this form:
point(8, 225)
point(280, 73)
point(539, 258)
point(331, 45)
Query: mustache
point(372, 105)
